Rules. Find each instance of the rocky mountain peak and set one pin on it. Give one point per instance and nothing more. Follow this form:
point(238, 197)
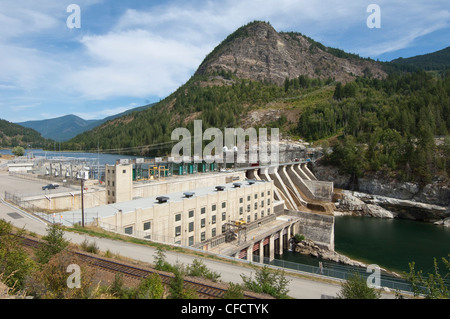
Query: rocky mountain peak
point(257, 51)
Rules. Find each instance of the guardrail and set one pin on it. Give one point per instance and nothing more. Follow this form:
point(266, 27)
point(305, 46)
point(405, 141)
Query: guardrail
point(337, 272)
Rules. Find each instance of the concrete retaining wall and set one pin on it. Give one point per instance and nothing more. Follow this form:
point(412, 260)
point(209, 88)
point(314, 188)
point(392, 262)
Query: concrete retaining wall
point(321, 190)
point(318, 228)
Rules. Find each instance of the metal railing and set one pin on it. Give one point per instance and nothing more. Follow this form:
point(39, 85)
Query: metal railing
point(336, 271)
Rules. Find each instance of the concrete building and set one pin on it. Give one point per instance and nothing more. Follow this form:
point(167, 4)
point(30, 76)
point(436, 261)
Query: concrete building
point(119, 183)
point(191, 217)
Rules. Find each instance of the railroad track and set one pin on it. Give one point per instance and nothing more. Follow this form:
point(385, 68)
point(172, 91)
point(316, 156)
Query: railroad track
point(204, 290)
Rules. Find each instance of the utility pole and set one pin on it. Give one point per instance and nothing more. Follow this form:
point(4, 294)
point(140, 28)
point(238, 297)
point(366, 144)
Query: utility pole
point(82, 202)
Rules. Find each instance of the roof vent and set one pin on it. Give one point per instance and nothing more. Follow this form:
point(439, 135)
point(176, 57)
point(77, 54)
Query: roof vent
point(220, 188)
point(251, 182)
point(236, 185)
point(162, 199)
point(189, 194)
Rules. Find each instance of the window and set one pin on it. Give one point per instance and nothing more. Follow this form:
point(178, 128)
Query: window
point(262, 194)
point(214, 219)
point(191, 240)
point(248, 219)
point(224, 216)
point(268, 201)
point(124, 171)
point(191, 227)
point(202, 222)
point(262, 203)
point(213, 208)
point(203, 236)
point(224, 204)
point(224, 228)
point(268, 192)
point(203, 210)
point(213, 232)
point(191, 213)
point(177, 217)
point(248, 208)
point(129, 230)
point(256, 196)
point(241, 200)
point(178, 231)
point(256, 216)
point(147, 225)
point(256, 205)
point(248, 198)
point(241, 210)
point(262, 213)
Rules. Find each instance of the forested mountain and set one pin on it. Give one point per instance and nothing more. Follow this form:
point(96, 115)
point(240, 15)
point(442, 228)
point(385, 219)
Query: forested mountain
point(399, 124)
point(12, 135)
point(439, 60)
point(66, 127)
point(61, 128)
point(260, 78)
point(243, 75)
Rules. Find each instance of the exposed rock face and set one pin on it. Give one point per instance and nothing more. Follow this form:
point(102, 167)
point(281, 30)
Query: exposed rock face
point(355, 203)
point(355, 206)
point(308, 247)
point(436, 193)
point(258, 52)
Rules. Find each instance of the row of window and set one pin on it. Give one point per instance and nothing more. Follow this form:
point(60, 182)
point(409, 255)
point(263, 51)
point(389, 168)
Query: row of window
point(213, 221)
point(214, 208)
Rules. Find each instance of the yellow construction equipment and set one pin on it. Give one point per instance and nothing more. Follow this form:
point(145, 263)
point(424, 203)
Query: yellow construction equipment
point(239, 222)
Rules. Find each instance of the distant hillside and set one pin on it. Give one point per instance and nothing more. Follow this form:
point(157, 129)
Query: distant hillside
point(12, 135)
point(61, 128)
point(439, 60)
point(66, 127)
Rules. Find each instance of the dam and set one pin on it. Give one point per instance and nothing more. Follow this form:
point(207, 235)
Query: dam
point(240, 212)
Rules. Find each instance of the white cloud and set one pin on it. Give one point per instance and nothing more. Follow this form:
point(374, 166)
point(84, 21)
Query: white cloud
point(101, 114)
point(134, 63)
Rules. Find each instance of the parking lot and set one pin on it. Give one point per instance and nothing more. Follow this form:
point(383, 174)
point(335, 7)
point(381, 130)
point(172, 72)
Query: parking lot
point(25, 187)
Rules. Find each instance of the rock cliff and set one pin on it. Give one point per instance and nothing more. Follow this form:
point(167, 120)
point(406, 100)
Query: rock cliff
point(378, 197)
point(258, 52)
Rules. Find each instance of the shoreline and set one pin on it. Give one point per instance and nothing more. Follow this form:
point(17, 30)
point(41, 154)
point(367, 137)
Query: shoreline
point(352, 203)
point(309, 248)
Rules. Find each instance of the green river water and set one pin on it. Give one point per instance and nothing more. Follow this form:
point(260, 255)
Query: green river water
point(388, 243)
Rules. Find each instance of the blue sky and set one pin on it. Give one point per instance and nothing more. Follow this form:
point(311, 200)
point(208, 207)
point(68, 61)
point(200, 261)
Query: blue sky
point(130, 53)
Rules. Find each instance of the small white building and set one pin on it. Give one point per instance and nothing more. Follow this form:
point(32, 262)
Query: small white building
point(20, 167)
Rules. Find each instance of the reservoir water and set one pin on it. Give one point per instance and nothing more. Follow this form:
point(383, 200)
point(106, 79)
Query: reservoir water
point(102, 158)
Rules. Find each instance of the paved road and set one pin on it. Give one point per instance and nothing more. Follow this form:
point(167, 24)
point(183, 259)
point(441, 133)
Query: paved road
point(299, 288)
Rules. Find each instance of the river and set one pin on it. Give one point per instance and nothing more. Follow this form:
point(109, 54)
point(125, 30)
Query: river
point(389, 243)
